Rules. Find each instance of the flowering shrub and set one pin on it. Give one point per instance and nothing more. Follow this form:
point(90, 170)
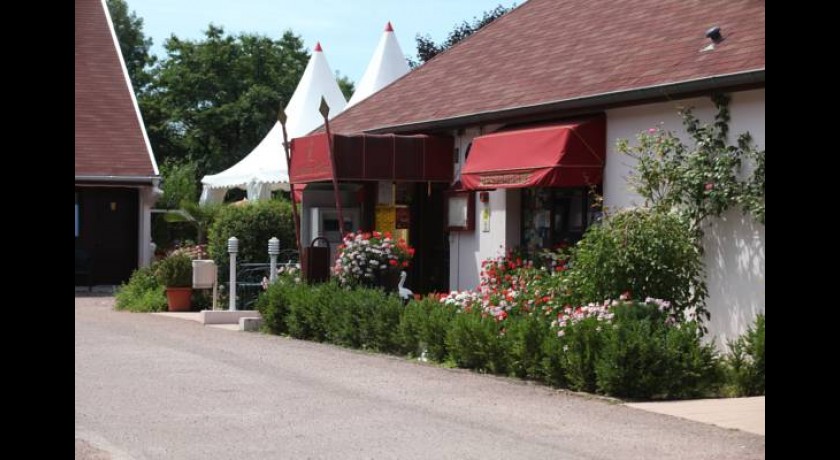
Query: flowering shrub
point(193, 251)
point(285, 272)
point(569, 316)
point(644, 252)
point(703, 178)
point(364, 257)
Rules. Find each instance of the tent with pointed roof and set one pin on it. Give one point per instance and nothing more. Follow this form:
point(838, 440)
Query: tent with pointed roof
point(387, 64)
point(264, 169)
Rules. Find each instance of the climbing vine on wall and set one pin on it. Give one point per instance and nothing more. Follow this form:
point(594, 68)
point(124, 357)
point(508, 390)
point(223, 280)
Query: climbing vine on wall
point(703, 178)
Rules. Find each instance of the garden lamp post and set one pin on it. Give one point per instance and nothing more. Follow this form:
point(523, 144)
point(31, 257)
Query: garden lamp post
point(233, 248)
point(273, 251)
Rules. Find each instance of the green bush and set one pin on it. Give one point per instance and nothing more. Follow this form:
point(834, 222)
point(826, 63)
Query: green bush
point(694, 368)
point(647, 253)
point(581, 346)
point(634, 353)
point(553, 365)
point(253, 225)
point(175, 271)
point(273, 305)
point(474, 342)
point(142, 293)
point(745, 363)
point(357, 318)
point(645, 359)
point(525, 337)
point(423, 327)
point(365, 318)
point(307, 305)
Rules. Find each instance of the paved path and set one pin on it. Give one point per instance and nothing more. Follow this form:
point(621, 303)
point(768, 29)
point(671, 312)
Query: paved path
point(154, 387)
point(740, 413)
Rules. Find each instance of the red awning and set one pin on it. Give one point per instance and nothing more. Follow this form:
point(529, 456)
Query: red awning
point(372, 157)
point(561, 155)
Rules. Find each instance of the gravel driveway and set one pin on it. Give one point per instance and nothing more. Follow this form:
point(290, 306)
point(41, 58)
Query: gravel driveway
point(154, 387)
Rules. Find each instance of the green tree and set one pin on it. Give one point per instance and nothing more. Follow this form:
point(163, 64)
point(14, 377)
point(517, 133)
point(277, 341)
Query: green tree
point(179, 183)
point(133, 43)
point(212, 100)
point(427, 48)
point(346, 84)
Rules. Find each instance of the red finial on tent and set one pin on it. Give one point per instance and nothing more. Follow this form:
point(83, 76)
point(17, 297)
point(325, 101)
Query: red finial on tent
point(388, 27)
point(318, 47)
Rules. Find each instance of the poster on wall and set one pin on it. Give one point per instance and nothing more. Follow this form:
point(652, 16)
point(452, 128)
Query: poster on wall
point(485, 217)
point(385, 219)
point(460, 212)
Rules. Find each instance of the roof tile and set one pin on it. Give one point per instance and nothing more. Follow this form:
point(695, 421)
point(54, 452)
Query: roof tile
point(109, 137)
point(548, 50)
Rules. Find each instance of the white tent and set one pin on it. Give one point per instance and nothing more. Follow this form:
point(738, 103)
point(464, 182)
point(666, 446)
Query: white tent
point(264, 169)
point(387, 64)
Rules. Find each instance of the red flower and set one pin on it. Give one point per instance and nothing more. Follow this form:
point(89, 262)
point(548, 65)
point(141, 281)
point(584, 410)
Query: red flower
point(709, 186)
point(392, 262)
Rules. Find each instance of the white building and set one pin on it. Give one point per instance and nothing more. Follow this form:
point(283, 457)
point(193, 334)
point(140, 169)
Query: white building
point(542, 68)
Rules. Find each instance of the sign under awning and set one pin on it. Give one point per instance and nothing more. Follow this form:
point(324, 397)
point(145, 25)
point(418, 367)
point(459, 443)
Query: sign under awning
point(570, 154)
point(372, 157)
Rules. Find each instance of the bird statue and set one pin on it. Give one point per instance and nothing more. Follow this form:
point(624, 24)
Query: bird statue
point(405, 293)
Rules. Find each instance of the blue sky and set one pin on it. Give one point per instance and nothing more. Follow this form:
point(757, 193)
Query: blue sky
point(347, 29)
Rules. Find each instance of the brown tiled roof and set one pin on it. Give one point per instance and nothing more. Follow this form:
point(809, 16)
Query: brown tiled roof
point(109, 137)
point(552, 50)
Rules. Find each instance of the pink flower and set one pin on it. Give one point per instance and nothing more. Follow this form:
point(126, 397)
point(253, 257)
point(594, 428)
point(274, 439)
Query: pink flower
point(709, 186)
point(651, 130)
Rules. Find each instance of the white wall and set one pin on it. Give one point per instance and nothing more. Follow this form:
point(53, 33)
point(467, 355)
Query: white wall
point(147, 199)
point(734, 244)
point(468, 249)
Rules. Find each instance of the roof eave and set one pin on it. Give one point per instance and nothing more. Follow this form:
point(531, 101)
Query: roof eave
point(151, 180)
point(746, 79)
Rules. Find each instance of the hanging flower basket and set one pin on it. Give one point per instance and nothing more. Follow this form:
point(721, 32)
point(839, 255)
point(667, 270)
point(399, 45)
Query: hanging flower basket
point(372, 259)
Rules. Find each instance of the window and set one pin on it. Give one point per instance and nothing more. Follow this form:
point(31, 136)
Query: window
point(554, 216)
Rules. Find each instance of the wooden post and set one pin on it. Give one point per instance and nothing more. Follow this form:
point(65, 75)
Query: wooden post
point(325, 111)
point(281, 117)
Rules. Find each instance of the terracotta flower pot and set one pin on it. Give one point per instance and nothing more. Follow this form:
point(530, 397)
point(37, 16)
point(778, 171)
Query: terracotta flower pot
point(179, 298)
